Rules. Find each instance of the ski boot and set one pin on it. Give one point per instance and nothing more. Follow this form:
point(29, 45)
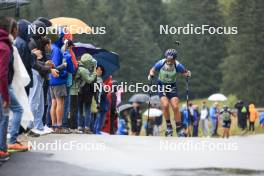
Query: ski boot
point(180, 132)
point(169, 132)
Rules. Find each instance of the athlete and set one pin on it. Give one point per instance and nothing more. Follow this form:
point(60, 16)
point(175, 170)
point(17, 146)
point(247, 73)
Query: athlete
point(226, 114)
point(168, 68)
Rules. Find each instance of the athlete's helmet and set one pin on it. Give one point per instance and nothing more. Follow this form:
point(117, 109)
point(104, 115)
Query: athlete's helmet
point(171, 54)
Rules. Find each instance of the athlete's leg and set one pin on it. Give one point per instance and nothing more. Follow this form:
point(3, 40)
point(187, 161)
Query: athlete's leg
point(176, 111)
point(165, 107)
point(166, 113)
point(175, 107)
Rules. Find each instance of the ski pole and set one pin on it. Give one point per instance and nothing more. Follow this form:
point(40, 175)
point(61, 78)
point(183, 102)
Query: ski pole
point(187, 101)
point(149, 103)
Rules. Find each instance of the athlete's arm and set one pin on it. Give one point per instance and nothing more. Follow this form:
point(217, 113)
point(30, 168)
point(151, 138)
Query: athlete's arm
point(155, 68)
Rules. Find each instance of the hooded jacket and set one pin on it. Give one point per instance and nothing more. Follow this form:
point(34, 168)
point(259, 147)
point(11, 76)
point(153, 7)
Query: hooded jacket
point(36, 43)
point(253, 113)
point(82, 75)
point(21, 44)
point(57, 59)
point(5, 51)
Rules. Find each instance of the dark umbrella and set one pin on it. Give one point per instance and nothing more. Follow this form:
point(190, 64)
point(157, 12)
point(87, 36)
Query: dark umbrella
point(108, 60)
point(124, 107)
point(82, 48)
point(140, 98)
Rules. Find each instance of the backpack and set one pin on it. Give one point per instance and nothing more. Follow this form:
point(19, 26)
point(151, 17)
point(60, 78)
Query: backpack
point(87, 92)
point(226, 116)
point(244, 109)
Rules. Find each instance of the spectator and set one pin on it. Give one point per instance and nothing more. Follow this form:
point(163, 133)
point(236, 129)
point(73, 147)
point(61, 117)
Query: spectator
point(196, 119)
point(214, 118)
point(253, 115)
point(40, 70)
point(226, 120)
point(204, 119)
point(157, 125)
point(82, 76)
point(21, 43)
point(136, 120)
point(5, 53)
point(102, 102)
point(14, 106)
point(185, 116)
point(122, 123)
point(261, 120)
point(242, 115)
point(58, 88)
point(68, 47)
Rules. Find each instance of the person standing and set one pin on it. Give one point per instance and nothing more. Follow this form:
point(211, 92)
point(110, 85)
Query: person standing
point(122, 123)
point(5, 52)
point(196, 119)
point(225, 114)
point(157, 125)
point(21, 43)
point(58, 88)
point(253, 115)
point(186, 119)
point(204, 119)
point(69, 55)
point(242, 115)
point(40, 44)
point(261, 120)
point(81, 77)
point(168, 69)
point(101, 100)
point(15, 106)
point(135, 118)
point(214, 119)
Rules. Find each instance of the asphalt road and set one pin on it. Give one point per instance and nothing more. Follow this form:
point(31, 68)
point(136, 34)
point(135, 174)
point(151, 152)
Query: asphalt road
point(84, 155)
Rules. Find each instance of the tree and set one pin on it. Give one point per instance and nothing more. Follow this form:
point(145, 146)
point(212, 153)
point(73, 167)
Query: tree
point(202, 54)
point(243, 72)
point(135, 45)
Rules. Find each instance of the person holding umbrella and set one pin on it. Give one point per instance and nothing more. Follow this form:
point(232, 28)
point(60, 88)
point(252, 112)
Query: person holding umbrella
point(123, 112)
point(136, 119)
point(135, 112)
point(168, 69)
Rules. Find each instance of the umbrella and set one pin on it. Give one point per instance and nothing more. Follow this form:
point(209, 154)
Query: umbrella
point(81, 48)
point(140, 98)
point(75, 26)
point(108, 60)
point(124, 107)
point(153, 112)
point(154, 99)
point(217, 97)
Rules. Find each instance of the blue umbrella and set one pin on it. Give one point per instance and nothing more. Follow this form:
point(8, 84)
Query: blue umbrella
point(108, 60)
point(82, 48)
